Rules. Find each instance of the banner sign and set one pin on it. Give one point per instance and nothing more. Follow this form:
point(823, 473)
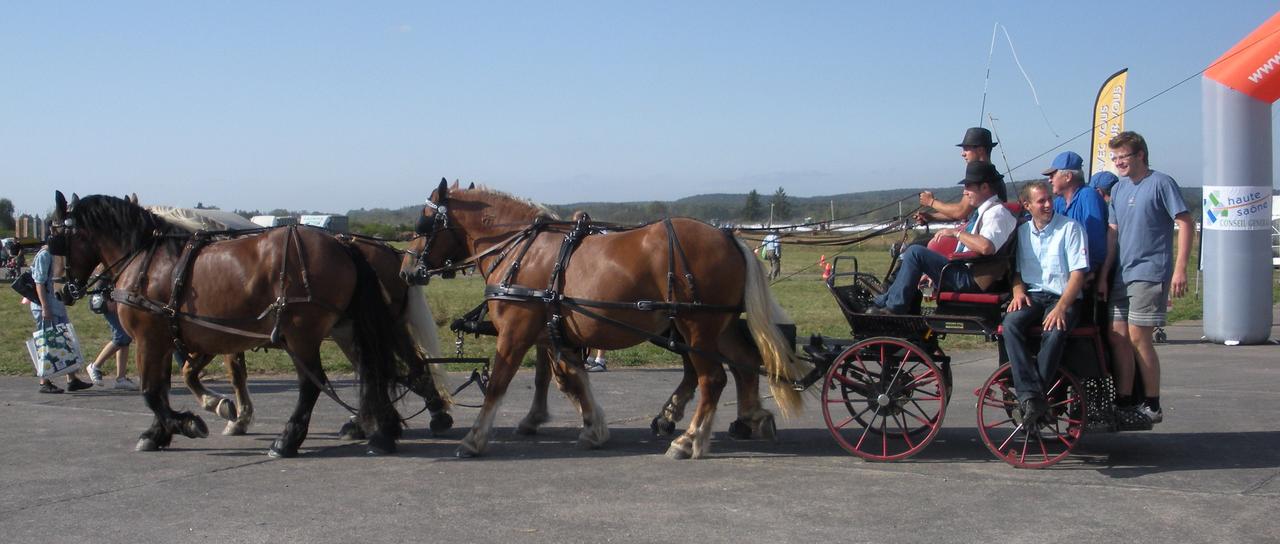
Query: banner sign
point(1108, 121)
point(1236, 208)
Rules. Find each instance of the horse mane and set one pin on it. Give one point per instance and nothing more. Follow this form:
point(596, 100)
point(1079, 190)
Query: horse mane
point(539, 209)
point(132, 225)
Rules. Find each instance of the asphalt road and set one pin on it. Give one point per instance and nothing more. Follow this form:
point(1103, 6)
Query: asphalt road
point(1208, 474)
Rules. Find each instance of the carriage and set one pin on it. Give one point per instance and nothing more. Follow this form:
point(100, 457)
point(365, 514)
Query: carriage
point(885, 391)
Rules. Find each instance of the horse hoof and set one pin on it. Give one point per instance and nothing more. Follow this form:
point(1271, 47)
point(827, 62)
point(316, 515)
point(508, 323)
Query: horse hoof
point(226, 409)
point(278, 451)
point(193, 427)
point(662, 427)
point(381, 445)
point(679, 453)
point(441, 423)
point(351, 431)
point(233, 428)
point(740, 430)
point(146, 444)
point(768, 429)
point(466, 452)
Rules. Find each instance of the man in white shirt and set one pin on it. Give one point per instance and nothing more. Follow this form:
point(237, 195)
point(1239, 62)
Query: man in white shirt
point(987, 230)
point(1053, 258)
point(773, 253)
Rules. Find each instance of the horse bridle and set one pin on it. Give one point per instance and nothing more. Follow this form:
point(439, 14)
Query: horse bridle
point(430, 229)
point(59, 244)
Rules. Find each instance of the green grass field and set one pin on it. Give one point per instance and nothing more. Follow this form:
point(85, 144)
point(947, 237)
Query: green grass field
point(801, 292)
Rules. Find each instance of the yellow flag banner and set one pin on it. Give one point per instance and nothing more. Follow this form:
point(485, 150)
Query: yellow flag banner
point(1108, 121)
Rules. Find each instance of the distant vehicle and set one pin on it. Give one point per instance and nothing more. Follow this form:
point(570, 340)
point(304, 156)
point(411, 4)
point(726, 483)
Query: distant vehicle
point(273, 220)
point(335, 223)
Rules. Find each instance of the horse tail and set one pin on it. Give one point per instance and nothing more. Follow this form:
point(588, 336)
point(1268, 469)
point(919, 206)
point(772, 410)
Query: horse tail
point(376, 347)
point(422, 325)
point(763, 314)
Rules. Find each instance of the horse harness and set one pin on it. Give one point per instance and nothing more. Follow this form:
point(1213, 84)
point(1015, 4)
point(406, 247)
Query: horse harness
point(557, 303)
point(133, 296)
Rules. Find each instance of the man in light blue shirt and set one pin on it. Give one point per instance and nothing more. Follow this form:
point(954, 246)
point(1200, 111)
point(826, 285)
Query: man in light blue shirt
point(1053, 258)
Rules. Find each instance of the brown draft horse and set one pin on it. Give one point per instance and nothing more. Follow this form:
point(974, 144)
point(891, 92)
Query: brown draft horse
point(413, 316)
point(626, 266)
point(286, 289)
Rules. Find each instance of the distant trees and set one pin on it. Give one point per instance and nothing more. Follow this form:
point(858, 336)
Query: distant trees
point(7, 223)
point(752, 209)
point(781, 205)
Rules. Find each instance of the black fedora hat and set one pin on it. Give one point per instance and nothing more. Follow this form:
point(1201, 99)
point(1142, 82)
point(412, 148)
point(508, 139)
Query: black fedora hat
point(977, 136)
point(981, 172)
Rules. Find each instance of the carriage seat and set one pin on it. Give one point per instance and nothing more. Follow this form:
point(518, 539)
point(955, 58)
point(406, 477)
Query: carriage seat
point(988, 304)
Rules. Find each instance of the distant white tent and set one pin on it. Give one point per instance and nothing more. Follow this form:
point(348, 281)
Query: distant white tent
point(193, 220)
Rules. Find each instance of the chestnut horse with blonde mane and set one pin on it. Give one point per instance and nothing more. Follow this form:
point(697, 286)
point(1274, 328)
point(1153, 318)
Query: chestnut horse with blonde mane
point(285, 288)
point(715, 280)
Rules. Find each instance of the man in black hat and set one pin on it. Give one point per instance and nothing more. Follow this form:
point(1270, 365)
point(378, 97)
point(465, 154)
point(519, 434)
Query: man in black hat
point(988, 229)
point(975, 147)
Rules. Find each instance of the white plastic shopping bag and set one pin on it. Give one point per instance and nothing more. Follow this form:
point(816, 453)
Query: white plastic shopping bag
point(55, 350)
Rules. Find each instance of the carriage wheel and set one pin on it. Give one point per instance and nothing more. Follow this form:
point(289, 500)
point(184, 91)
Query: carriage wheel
point(883, 399)
point(1026, 446)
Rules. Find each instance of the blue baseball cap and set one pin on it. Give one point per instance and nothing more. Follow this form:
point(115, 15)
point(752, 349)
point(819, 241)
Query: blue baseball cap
point(1103, 181)
point(1067, 160)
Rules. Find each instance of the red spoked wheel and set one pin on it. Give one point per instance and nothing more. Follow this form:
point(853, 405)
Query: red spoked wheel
point(1005, 433)
point(884, 399)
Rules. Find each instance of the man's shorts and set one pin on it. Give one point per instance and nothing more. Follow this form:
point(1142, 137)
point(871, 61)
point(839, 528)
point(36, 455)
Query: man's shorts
point(118, 336)
point(1140, 303)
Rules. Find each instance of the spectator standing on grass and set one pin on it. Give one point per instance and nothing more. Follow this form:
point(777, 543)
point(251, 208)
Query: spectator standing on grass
point(48, 311)
point(1145, 205)
point(772, 247)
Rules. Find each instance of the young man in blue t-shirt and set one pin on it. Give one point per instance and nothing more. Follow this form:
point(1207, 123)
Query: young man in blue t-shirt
point(1145, 205)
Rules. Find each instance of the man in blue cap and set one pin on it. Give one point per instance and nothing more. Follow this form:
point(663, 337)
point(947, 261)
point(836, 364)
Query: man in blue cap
point(1081, 203)
point(987, 230)
point(1102, 182)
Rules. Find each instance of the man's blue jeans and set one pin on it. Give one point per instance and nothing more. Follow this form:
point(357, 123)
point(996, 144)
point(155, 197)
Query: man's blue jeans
point(1030, 378)
point(919, 261)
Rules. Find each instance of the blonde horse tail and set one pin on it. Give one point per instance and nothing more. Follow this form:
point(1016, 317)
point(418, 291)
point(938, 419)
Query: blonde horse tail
point(763, 314)
point(422, 325)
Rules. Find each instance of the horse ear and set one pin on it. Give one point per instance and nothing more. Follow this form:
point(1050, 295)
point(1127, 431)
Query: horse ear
point(472, 185)
point(456, 185)
point(75, 199)
point(59, 206)
point(442, 192)
point(133, 198)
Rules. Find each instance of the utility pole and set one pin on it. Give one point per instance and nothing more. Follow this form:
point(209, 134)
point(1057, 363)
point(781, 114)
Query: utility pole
point(770, 215)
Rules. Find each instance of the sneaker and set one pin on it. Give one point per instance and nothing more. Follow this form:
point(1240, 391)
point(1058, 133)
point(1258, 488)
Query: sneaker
point(48, 387)
point(95, 375)
point(126, 384)
point(1156, 416)
point(596, 365)
point(1033, 412)
point(76, 384)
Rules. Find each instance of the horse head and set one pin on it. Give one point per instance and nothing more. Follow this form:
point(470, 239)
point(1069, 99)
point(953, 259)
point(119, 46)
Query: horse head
point(438, 242)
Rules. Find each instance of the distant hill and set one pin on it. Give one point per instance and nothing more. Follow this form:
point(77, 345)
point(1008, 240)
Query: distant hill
point(724, 207)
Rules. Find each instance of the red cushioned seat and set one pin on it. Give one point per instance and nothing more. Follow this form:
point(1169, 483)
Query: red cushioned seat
point(971, 298)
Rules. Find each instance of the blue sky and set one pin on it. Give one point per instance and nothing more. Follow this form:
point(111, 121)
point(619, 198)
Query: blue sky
point(339, 105)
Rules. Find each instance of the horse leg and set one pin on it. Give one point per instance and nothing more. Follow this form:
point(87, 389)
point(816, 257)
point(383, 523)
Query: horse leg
point(753, 418)
point(154, 370)
point(310, 378)
point(239, 376)
point(696, 441)
point(664, 424)
point(538, 413)
point(209, 400)
point(506, 361)
point(573, 381)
